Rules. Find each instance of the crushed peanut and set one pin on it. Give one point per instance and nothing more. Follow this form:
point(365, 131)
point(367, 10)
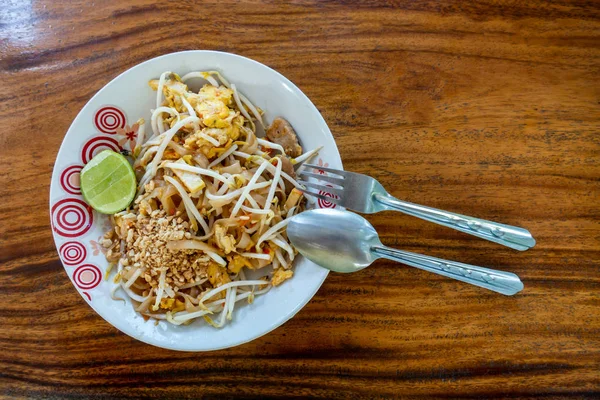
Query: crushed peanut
point(146, 247)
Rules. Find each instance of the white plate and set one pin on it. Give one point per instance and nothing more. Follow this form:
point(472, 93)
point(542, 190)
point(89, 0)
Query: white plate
point(105, 122)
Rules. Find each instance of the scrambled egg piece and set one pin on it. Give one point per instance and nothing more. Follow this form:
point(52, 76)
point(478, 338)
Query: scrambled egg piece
point(211, 104)
point(173, 305)
point(220, 93)
point(173, 88)
point(213, 113)
point(170, 154)
point(217, 275)
point(192, 182)
point(281, 275)
point(220, 122)
point(237, 263)
point(196, 142)
point(218, 133)
point(224, 241)
point(236, 123)
point(153, 84)
point(230, 131)
point(216, 151)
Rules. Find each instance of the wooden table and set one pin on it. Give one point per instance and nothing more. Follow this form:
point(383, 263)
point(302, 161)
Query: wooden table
point(489, 108)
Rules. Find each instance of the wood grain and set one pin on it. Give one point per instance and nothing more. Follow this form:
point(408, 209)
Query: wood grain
point(489, 108)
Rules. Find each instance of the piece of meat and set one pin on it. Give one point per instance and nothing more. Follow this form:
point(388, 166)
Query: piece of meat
point(288, 168)
point(282, 133)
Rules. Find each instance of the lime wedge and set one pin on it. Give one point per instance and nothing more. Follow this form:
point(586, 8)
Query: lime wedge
point(108, 182)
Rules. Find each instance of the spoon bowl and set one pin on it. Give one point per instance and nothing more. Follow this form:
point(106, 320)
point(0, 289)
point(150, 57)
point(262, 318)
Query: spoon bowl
point(342, 241)
point(337, 240)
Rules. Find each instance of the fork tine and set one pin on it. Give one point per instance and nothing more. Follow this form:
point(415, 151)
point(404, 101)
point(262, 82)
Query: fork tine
point(323, 188)
point(333, 171)
point(320, 196)
point(326, 178)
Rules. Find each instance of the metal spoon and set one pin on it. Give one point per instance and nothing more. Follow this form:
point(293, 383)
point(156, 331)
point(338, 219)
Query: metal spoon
point(342, 241)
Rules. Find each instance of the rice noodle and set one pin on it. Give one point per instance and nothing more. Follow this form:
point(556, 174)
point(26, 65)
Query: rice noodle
point(144, 305)
point(253, 229)
point(182, 151)
point(245, 241)
point(223, 156)
point(131, 294)
point(234, 169)
point(251, 144)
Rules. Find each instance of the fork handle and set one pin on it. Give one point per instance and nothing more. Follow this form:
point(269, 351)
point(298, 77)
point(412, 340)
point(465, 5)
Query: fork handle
point(498, 281)
point(510, 236)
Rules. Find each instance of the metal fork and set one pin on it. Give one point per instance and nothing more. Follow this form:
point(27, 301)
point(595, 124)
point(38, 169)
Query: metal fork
point(364, 194)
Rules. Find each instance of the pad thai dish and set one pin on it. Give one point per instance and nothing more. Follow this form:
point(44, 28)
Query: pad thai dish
point(207, 227)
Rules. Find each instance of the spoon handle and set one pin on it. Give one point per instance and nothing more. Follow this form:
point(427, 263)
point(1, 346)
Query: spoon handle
point(499, 281)
point(510, 236)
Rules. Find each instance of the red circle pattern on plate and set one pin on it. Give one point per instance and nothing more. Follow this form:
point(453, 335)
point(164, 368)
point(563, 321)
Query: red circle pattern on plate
point(72, 253)
point(97, 144)
point(69, 179)
point(63, 213)
point(324, 203)
point(87, 276)
point(109, 119)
